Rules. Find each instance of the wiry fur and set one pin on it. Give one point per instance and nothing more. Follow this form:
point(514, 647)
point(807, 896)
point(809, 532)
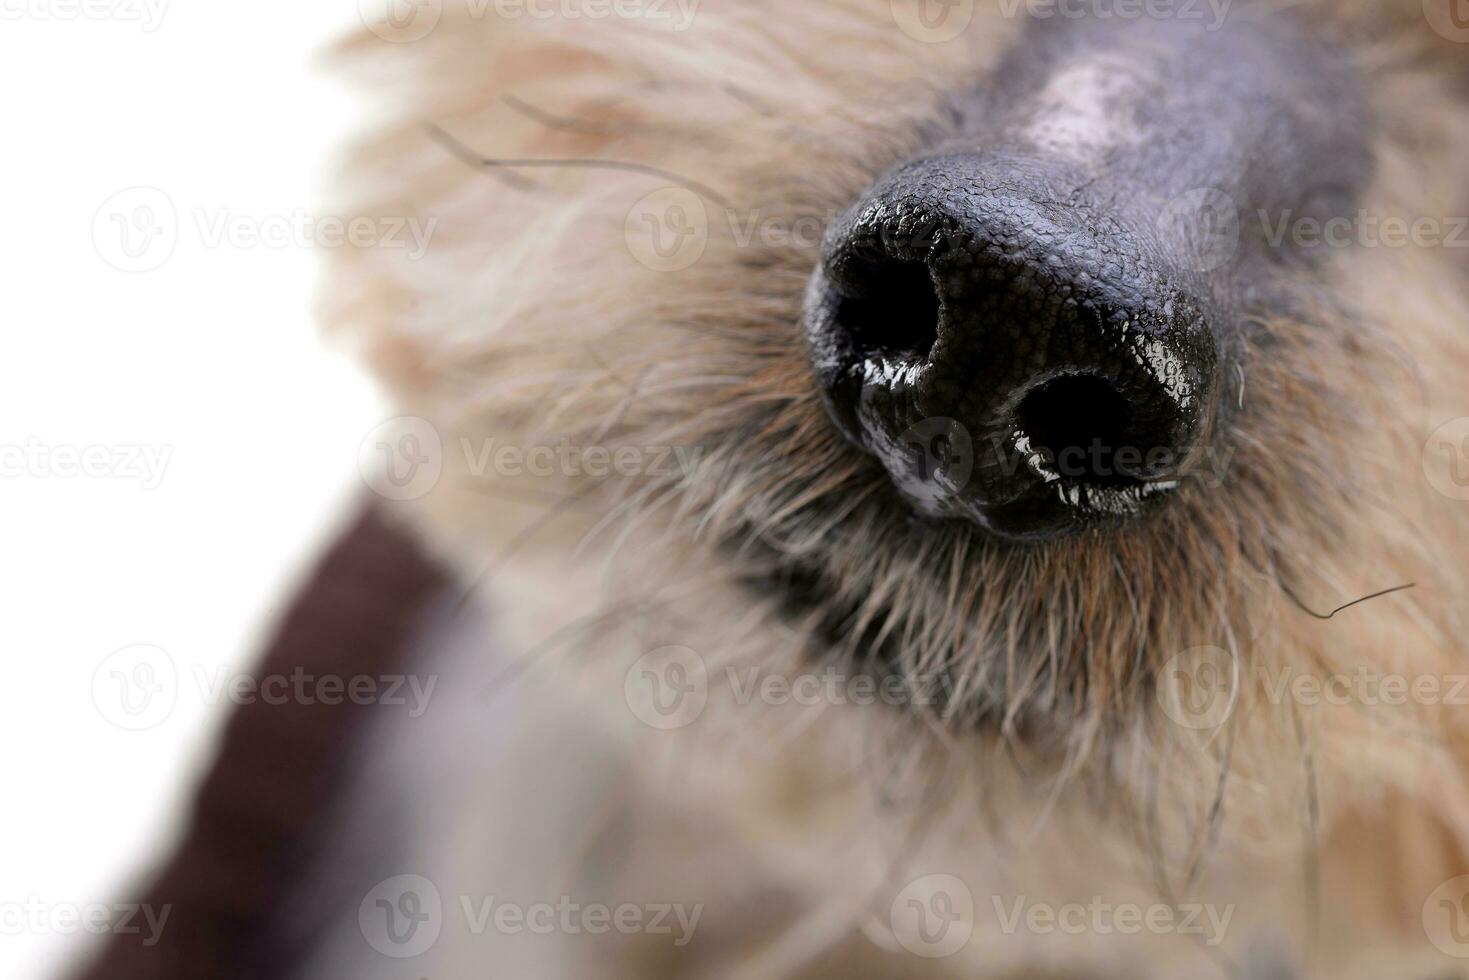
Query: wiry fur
point(1049, 770)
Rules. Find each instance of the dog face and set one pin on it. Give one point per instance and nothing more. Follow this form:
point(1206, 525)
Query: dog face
point(1047, 365)
point(1021, 274)
point(1044, 282)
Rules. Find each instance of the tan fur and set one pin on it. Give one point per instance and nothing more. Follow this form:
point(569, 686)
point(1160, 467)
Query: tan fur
point(1055, 774)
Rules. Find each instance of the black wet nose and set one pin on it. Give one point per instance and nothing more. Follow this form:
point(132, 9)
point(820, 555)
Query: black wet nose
point(1012, 352)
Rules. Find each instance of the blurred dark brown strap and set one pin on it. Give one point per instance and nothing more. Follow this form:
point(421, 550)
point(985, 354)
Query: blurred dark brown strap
point(279, 768)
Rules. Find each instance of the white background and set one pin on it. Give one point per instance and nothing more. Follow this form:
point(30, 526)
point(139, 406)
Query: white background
point(211, 357)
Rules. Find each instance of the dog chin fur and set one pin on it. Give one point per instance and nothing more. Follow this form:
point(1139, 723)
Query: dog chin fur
point(1053, 773)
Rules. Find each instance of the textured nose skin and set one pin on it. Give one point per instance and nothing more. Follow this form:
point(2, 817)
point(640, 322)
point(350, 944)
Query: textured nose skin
point(1072, 355)
point(1033, 325)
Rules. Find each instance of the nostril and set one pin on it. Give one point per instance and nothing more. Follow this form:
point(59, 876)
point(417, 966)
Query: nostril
point(897, 312)
point(1070, 362)
point(1079, 422)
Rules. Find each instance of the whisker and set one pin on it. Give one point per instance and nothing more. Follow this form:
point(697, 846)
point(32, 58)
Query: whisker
point(1305, 609)
point(507, 165)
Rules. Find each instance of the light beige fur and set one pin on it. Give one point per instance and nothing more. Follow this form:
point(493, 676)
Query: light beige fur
point(1057, 774)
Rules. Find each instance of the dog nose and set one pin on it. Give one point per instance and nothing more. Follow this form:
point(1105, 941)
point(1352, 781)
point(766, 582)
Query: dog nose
point(1011, 352)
